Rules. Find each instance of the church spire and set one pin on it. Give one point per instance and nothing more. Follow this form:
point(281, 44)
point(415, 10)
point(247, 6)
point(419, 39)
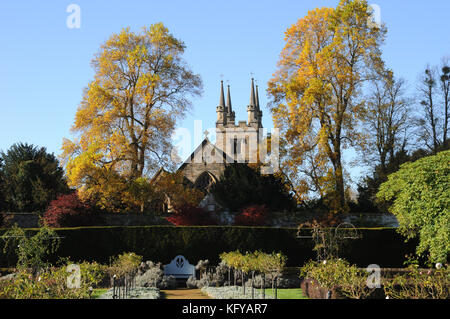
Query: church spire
point(220, 109)
point(222, 98)
point(257, 98)
point(252, 108)
point(229, 100)
point(229, 111)
point(258, 109)
point(252, 95)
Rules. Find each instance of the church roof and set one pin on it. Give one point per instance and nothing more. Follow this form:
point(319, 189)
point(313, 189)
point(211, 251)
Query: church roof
point(218, 154)
point(158, 174)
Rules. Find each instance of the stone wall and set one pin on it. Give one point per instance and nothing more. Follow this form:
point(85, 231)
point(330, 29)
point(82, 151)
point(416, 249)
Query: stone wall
point(280, 219)
point(23, 220)
point(31, 220)
point(287, 219)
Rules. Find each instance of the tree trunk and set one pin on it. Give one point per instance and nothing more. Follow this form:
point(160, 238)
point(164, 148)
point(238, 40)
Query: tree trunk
point(253, 290)
point(243, 282)
point(339, 197)
point(263, 285)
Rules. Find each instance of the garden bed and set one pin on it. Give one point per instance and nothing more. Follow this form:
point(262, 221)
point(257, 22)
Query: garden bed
point(233, 292)
point(135, 293)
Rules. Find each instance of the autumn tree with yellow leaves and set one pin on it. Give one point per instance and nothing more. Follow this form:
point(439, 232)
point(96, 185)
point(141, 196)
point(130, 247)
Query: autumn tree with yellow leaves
point(142, 86)
point(328, 56)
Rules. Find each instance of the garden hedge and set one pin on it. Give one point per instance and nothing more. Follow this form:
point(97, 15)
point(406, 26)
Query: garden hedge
point(382, 246)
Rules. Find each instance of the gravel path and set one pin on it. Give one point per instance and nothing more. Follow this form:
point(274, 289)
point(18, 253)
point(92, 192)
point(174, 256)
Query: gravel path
point(183, 294)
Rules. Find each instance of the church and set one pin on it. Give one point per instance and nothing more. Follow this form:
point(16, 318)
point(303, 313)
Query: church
point(235, 143)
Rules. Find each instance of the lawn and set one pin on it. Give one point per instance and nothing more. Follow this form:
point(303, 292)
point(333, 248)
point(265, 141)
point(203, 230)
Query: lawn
point(98, 292)
point(293, 293)
point(233, 292)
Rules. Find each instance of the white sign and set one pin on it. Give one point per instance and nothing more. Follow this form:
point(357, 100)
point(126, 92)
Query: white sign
point(179, 267)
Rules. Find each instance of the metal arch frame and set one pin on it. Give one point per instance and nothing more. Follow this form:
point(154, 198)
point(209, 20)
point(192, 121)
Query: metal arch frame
point(335, 231)
point(302, 237)
point(352, 227)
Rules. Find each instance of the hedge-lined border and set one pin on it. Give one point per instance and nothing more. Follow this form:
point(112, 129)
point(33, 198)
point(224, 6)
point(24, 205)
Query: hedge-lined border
point(382, 245)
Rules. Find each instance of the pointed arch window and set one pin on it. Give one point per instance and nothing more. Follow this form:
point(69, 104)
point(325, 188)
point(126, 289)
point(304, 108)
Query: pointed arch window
point(205, 181)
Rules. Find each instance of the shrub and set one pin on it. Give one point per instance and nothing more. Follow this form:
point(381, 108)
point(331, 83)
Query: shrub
point(338, 273)
point(420, 196)
point(70, 211)
point(188, 215)
point(52, 283)
point(254, 215)
point(125, 264)
point(151, 275)
point(419, 284)
point(283, 281)
point(242, 184)
point(31, 251)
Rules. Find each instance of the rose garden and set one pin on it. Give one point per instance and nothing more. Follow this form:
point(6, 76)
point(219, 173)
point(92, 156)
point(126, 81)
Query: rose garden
point(249, 214)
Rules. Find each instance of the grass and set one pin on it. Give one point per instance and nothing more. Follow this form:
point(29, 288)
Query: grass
point(98, 292)
point(293, 293)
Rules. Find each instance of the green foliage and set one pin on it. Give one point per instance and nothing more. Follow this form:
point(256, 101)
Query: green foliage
point(338, 273)
point(31, 178)
point(256, 261)
point(368, 188)
point(32, 252)
point(242, 186)
point(419, 284)
point(141, 192)
point(124, 264)
point(52, 283)
point(420, 197)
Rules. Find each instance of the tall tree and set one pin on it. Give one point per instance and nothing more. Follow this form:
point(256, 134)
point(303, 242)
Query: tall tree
point(2, 194)
point(388, 121)
point(328, 56)
point(444, 82)
point(141, 87)
point(429, 124)
point(32, 178)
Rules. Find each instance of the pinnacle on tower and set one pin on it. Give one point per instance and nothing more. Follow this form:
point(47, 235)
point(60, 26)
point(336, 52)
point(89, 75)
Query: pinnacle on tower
point(252, 109)
point(221, 109)
point(229, 110)
point(229, 101)
point(222, 98)
point(257, 98)
point(252, 95)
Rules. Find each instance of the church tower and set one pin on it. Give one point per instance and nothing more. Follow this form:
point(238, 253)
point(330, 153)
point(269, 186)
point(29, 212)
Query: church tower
point(239, 141)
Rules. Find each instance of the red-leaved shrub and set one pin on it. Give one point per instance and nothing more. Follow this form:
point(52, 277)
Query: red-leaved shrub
point(254, 215)
point(188, 215)
point(70, 211)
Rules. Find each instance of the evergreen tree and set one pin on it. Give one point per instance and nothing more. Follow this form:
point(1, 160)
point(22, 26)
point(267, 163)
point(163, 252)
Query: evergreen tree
point(242, 185)
point(31, 178)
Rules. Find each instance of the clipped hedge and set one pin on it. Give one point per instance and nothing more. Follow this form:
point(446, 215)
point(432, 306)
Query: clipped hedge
point(382, 246)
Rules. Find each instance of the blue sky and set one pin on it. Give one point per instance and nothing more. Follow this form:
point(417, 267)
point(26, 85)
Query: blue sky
point(44, 65)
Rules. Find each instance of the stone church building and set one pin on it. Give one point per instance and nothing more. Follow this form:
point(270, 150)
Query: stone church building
point(235, 143)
